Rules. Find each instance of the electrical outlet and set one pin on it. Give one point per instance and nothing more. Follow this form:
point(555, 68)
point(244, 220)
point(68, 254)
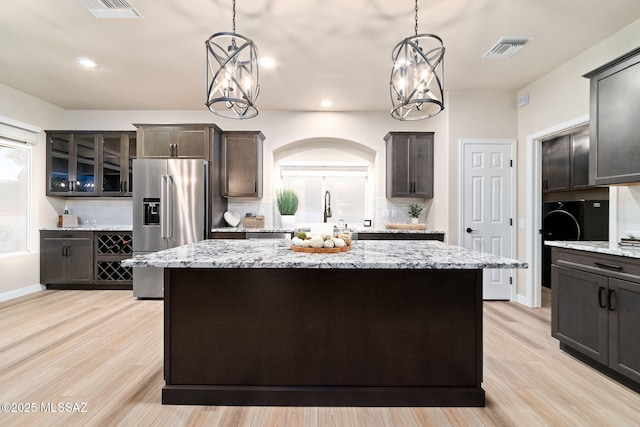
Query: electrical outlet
point(394, 213)
point(385, 213)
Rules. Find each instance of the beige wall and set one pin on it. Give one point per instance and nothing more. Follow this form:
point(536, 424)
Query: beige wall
point(21, 271)
point(560, 97)
point(475, 115)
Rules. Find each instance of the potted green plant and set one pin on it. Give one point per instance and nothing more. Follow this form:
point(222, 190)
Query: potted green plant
point(414, 211)
point(287, 202)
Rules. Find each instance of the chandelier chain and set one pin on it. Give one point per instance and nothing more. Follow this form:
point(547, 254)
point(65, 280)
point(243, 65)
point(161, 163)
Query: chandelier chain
point(234, 16)
point(416, 17)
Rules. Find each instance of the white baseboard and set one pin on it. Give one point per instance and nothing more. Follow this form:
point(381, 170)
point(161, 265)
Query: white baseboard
point(522, 299)
point(5, 296)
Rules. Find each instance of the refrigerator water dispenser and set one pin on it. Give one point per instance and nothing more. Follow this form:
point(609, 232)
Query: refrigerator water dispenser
point(151, 209)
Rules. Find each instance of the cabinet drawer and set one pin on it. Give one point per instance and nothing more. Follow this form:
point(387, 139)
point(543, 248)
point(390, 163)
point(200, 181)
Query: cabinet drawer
point(609, 265)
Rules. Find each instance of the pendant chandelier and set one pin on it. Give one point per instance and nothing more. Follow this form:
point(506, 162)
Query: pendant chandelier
point(232, 74)
point(417, 76)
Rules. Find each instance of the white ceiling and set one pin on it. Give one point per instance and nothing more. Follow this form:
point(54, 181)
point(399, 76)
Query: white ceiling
point(336, 49)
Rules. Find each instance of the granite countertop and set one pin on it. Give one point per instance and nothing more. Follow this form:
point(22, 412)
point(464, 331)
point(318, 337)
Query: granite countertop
point(608, 248)
point(93, 227)
point(375, 254)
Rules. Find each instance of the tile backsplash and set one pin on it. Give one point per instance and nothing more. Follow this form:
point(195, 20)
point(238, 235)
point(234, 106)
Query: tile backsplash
point(102, 211)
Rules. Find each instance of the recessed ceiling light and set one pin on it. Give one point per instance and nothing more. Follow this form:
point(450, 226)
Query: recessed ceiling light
point(326, 103)
point(87, 62)
point(268, 62)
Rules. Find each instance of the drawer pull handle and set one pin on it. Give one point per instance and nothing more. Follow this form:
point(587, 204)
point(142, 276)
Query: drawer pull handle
point(601, 290)
point(608, 266)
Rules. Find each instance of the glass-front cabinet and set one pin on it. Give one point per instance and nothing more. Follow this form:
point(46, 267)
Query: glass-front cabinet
point(72, 166)
point(89, 163)
point(117, 151)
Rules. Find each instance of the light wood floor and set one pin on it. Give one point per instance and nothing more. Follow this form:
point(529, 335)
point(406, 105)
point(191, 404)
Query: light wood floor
point(104, 348)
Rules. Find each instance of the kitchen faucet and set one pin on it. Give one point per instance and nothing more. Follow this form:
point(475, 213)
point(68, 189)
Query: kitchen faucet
point(327, 206)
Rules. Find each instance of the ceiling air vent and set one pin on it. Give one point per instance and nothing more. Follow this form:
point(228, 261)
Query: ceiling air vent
point(506, 47)
point(110, 8)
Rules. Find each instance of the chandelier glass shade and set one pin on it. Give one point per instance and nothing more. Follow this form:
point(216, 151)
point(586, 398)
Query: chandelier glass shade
point(232, 75)
point(417, 76)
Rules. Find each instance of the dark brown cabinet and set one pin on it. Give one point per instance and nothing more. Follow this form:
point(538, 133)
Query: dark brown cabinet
point(66, 257)
point(596, 310)
point(116, 153)
point(409, 164)
point(399, 236)
point(241, 164)
point(184, 141)
point(90, 164)
point(85, 259)
point(72, 166)
point(615, 128)
point(565, 162)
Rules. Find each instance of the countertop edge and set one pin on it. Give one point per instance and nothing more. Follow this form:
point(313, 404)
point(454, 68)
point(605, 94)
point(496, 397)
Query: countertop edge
point(606, 248)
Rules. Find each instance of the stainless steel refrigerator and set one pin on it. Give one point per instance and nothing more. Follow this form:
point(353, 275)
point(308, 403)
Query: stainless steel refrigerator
point(170, 208)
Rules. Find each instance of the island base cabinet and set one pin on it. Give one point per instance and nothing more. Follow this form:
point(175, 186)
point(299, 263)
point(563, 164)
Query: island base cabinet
point(323, 337)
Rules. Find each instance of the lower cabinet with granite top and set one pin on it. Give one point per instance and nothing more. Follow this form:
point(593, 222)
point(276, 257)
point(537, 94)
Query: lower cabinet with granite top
point(82, 259)
point(381, 324)
point(596, 310)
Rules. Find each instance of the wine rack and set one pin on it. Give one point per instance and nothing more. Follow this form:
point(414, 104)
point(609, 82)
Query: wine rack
point(110, 249)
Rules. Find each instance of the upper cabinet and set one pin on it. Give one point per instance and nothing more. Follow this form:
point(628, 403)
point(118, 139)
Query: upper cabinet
point(409, 164)
point(89, 164)
point(116, 153)
point(565, 162)
point(71, 164)
point(241, 164)
point(615, 128)
point(187, 141)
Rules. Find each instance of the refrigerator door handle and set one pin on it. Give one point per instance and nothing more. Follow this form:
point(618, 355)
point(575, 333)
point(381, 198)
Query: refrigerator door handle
point(170, 207)
point(163, 206)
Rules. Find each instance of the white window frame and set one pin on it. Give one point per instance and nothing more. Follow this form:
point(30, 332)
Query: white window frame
point(324, 169)
point(21, 136)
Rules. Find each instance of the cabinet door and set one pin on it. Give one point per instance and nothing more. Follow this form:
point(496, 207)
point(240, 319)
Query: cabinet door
point(398, 161)
point(580, 161)
point(242, 165)
point(191, 143)
point(67, 258)
point(86, 165)
point(58, 164)
point(624, 328)
point(579, 311)
point(51, 261)
point(615, 128)
point(422, 163)
point(155, 142)
point(555, 164)
point(79, 259)
point(116, 151)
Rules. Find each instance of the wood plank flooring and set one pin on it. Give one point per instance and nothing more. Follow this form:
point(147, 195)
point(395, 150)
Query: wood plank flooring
point(104, 349)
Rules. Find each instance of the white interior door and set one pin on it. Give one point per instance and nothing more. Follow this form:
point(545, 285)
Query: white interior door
point(488, 208)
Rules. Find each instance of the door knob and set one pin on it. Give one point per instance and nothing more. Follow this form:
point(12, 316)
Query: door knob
point(470, 230)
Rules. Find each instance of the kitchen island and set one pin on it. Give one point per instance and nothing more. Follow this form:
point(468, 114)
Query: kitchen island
point(388, 323)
